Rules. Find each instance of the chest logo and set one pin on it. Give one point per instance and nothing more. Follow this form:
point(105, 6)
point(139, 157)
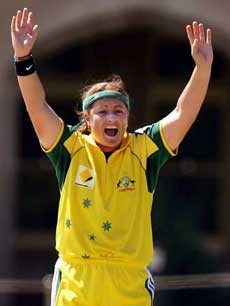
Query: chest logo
point(85, 177)
point(126, 184)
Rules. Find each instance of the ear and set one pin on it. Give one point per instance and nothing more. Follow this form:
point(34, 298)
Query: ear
point(86, 117)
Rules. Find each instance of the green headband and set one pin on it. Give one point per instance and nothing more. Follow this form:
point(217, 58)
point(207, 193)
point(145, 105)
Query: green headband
point(105, 94)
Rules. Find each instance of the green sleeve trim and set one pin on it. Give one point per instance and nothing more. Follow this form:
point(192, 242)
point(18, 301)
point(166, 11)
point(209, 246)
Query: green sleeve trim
point(156, 160)
point(165, 143)
point(155, 132)
point(60, 156)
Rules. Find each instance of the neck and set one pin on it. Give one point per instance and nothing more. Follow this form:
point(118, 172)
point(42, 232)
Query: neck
point(106, 149)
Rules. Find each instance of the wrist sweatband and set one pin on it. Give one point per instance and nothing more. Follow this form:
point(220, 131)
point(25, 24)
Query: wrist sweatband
point(105, 94)
point(25, 66)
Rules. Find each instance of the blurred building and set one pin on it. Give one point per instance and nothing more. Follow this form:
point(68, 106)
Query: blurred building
point(145, 42)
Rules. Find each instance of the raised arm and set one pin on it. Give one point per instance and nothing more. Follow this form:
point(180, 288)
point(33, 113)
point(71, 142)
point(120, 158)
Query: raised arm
point(178, 122)
point(45, 121)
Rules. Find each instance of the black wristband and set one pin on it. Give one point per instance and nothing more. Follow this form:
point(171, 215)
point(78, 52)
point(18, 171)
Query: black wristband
point(25, 67)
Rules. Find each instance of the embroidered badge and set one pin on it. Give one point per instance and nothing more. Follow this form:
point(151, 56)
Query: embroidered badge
point(86, 203)
point(92, 237)
point(107, 226)
point(126, 184)
point(68, 223)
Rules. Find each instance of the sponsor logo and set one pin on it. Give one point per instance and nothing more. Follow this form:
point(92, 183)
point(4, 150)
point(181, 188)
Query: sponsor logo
point(85, 177)
point(28, 68)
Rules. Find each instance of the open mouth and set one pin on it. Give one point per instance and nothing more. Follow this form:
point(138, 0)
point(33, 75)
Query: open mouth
point(111, 132)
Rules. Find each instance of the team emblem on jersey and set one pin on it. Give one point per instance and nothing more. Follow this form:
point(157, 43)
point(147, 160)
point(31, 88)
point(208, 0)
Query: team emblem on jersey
point(126, 184)
point(85, 177)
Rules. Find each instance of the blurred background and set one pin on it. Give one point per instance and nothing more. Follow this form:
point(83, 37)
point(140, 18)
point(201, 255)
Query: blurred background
point(81, 42)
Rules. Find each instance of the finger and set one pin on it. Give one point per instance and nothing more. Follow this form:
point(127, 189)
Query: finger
point(18, 19)
point(190, 34)
point(13, 24)
point(24, 17)
point(30, 18)
point(209, 37)
point(201, 33)
point(35, 32)
point(195, 29)
point(195, 46)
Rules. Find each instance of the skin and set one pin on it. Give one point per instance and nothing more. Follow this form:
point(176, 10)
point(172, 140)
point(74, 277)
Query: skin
point(178, 122)
point(23, 32)
point(175, 125)
point(107, 114)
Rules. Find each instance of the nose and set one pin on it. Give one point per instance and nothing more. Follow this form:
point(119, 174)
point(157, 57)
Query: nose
point(111, 117)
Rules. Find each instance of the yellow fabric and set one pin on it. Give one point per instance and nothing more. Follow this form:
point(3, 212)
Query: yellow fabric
point(105, 207)
point(97, 284)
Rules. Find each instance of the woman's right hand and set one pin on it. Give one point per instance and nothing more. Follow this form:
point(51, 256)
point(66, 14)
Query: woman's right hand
point(23, 33)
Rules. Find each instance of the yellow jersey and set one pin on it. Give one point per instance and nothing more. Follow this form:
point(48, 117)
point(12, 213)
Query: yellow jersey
point(105, 203)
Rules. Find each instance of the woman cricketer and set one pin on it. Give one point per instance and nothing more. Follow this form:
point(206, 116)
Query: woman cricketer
point(106, 176)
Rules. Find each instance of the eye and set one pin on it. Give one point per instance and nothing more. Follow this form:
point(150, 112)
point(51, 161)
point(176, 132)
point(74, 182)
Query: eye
point(119, 111)
point(101, 112)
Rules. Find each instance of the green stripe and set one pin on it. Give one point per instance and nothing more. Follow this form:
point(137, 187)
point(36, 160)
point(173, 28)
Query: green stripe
point(157, 159)
point(60, 157)
point(105, 94)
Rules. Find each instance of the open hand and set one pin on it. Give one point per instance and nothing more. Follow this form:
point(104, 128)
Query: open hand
point(201, 43)
point(23, 33)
